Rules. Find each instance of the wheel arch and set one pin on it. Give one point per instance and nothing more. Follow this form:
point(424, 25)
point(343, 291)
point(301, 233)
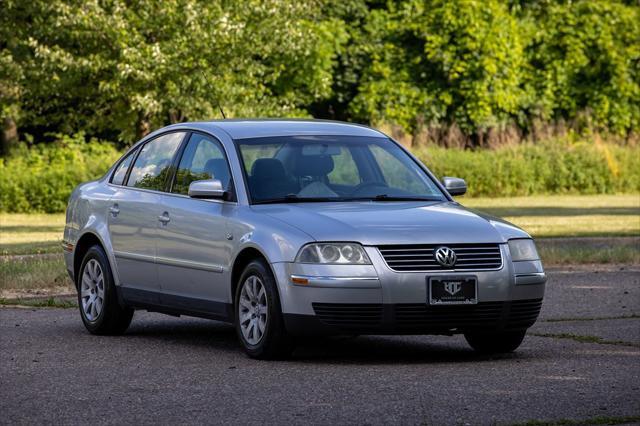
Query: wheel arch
point(242, 259)
point(86, 241)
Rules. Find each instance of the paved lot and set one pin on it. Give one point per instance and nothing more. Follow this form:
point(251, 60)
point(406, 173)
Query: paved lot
point(178, 370)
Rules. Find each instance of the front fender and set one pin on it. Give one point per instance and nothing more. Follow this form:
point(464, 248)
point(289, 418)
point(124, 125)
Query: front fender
point(275, 239)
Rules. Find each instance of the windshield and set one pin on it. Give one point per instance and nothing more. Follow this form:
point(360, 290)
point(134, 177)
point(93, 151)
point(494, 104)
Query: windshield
point(332, 168)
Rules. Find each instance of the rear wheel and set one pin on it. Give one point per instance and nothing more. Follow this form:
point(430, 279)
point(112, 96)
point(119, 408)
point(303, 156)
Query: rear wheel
point(99, 308)
point(258, 317)
point(498, 342)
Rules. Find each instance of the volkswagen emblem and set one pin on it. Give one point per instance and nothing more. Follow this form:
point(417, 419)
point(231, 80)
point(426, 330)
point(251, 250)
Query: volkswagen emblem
point(445, 256)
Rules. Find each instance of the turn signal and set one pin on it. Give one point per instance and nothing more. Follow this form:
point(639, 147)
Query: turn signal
point(299, 280)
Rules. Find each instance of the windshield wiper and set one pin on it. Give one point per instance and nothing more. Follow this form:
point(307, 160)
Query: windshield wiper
point(293, 198)
point(385, 197)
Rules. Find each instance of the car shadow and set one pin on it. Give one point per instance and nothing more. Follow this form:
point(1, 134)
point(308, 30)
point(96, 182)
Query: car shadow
point(187, 332)
point(391, 350)
point(217, 336)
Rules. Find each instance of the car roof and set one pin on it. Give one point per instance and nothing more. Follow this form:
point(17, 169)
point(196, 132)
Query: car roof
point(257, 128)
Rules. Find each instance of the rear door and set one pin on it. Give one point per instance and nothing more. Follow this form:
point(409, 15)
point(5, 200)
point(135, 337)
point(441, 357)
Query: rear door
point(193, 249)
point(135, 213)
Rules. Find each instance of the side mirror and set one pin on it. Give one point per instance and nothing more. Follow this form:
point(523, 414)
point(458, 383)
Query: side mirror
point(206, 189)
point(454, 185)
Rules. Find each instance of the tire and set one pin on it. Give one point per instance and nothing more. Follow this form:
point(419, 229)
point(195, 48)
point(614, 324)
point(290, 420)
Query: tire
point(267, 337)
point(500, 342)
point(100, 310)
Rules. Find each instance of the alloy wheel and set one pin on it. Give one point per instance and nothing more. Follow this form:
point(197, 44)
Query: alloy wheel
point(253, 310)
point(92, 290)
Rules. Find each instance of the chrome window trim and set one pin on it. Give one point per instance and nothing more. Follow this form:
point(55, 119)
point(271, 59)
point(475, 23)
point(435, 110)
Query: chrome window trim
point(183, 147)
point(185, 141)
point(153, 191)
point(140, 145)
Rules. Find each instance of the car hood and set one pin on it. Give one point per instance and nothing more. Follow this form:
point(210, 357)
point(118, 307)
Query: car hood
point(378, 223)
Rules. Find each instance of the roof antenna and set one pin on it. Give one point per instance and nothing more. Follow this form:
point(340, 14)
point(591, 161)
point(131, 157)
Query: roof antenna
point(216, 98)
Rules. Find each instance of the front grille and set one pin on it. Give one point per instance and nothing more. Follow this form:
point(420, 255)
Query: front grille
point(349, 314)
point(516, 314)
point(419, 317)
point(418, 258)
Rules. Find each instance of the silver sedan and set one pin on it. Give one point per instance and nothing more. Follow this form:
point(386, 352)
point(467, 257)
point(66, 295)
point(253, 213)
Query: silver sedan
point(288, 228)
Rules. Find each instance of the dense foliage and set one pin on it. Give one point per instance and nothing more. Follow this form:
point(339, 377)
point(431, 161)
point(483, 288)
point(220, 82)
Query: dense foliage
point(42, 178)
point(550, 167)
point(115, 69)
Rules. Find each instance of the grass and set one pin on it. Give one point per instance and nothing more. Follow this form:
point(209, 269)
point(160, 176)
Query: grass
point(564, 251)
point(51, 302)
point(566, 215)
point(600, 420)
point(30, 273)
point(600, 221)
point(30, 233)
point(632, 316)
point(586, 339)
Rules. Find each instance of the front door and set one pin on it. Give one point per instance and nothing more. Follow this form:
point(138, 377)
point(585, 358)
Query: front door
point(193, 249)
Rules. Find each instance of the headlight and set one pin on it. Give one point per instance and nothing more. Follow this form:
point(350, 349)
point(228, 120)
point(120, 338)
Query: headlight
point(333, 253)
point(524, 249)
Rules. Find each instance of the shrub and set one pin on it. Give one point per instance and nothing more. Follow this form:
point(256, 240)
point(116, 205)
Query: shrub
point(41, 178)
point(554, 167)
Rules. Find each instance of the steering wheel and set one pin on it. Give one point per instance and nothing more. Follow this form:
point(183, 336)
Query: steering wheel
point(358, 189)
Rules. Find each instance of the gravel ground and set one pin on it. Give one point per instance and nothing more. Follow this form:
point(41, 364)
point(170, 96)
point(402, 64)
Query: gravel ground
point(179, 370)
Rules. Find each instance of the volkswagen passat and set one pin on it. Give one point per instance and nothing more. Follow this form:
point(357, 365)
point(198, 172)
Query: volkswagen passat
point(288, 228)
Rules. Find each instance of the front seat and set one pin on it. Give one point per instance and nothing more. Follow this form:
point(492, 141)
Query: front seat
point(318, 166)
point(217, 169)
point(269, 180)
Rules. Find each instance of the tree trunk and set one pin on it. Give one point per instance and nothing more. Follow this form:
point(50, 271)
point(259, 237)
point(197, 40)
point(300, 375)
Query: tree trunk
point(9, 135)
point(143, 126)
point(176, 116)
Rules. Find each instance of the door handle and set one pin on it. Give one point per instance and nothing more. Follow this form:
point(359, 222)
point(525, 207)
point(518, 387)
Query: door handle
point(114, 210)
point(164, 218)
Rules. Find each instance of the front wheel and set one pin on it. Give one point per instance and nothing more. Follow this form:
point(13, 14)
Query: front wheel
point(258, 317)
point(99, 308)
point(498, 342)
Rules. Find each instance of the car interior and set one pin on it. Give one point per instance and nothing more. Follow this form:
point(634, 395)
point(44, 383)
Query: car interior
point(315, 170)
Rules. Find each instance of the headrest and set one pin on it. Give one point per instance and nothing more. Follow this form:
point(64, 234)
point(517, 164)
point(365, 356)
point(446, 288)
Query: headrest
point(314, 165)
point(267, 168)
point(217, 168)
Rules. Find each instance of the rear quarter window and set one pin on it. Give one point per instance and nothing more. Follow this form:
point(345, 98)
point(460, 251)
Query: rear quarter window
point(121, 170)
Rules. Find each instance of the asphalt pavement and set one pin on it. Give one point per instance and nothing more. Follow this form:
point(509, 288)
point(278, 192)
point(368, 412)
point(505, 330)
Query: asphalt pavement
point(581, 361)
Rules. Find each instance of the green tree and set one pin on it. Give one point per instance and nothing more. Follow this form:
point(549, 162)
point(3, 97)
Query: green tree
point(584, 58)
point(443, 61)
point(133, 65)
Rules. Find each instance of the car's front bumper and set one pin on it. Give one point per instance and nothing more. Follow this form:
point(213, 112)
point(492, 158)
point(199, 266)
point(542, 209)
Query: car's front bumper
point(377, 300)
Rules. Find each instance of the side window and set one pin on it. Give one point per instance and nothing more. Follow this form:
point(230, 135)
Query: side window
point(345, 171)
point(153, 165)
point(202, 159)
point(121, 171)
